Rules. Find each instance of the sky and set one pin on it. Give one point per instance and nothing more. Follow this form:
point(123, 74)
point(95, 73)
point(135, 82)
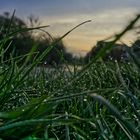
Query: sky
point(108, 18)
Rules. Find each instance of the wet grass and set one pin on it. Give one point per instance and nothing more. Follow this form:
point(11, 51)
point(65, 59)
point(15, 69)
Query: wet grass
point(99, 101)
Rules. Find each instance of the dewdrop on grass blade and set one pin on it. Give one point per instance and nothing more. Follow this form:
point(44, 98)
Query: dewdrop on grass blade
point(85, 100)
point(45, 100)
point(112, 97)
point(115, 61)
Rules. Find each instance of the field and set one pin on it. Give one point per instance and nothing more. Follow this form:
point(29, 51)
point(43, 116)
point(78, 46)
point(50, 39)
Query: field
point(101, 100)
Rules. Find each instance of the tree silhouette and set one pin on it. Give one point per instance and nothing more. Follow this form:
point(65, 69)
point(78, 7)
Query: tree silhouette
point(22, 43)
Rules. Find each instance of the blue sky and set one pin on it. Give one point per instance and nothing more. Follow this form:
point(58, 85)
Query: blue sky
point(109, 17)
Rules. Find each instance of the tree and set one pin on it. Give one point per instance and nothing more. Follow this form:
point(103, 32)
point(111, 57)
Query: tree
point(118, 52)
point(23, 42)
point(136, 47)
point(20, 42)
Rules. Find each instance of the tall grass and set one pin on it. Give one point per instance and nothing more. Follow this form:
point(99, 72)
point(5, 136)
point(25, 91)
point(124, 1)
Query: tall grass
point(99, 101)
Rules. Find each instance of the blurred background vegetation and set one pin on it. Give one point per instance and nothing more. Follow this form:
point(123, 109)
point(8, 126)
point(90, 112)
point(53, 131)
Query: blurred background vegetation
point(23, 43)
point(98, 100)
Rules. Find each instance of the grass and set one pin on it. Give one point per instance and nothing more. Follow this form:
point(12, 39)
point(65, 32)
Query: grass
point(99, 101)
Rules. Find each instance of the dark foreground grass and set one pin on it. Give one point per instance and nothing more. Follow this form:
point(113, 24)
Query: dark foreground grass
point(99, 101)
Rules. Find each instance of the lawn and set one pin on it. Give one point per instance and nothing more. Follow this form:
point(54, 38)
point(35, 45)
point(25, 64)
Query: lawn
point(101, 100)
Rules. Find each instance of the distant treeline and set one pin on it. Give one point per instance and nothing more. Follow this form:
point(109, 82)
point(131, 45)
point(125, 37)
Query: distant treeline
point(119, 52)
point(23, 42)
